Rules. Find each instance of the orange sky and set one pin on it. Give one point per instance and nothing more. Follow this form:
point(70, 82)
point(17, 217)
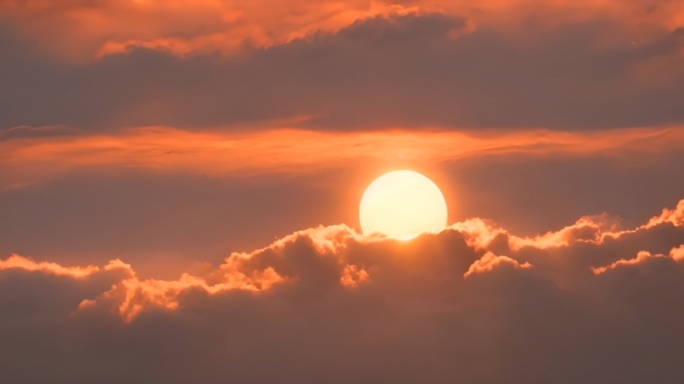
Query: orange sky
point(27, 160)
point(180, 183)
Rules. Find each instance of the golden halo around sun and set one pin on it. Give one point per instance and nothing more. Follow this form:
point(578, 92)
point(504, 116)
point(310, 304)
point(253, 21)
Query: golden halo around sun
point(402, 205)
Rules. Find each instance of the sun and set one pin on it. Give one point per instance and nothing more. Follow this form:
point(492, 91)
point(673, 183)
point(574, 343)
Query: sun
point(402, 205)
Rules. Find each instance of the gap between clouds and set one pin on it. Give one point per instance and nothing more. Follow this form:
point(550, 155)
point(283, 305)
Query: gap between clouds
point(32, 154)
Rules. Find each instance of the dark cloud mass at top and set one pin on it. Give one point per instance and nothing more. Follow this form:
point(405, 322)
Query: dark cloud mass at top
point(414, 70)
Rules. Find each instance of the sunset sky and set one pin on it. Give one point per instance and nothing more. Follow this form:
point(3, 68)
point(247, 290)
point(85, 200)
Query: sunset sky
point(180, 185)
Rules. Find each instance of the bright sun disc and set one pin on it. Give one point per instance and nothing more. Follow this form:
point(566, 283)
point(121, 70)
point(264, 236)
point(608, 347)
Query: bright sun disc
point(402, 205)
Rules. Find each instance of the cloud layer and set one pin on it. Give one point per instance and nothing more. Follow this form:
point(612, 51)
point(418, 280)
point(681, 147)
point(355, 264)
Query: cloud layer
point(558, 67)
point(82, 29)
point(591, 302)
point(36, 154)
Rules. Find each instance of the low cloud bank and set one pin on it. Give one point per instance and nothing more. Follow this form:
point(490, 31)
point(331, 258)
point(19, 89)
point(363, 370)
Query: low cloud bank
point(589, 303)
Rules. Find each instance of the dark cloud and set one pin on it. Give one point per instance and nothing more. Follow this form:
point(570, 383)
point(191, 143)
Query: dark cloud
point(413, 318)
point(409, 71)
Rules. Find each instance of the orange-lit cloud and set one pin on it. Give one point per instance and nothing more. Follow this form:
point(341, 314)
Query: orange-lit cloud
point(490, 261)
point(589, 230)
point(352, 276)
point(351, 257)
point(218, 154)
point(18, 262)
point(182, 27)
point(100, 27)
point(131, 296)
point(521, 66)
point(677, 253)
point(238, 272)
point(673, 216)
point(640, 258)
point(342, 300)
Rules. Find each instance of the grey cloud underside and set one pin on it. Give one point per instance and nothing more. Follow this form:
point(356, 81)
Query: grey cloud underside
point(403, 71)
point(417, 320)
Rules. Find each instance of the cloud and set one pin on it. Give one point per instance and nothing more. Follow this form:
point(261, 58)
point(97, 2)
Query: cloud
point(592, 230)
point(490, 261)
point(677, 253)
point(30, 158)
point(77, 29)
point(351, 257)
point(641, 257)
point(327, 302)
point(16, 261)
point(554, 68)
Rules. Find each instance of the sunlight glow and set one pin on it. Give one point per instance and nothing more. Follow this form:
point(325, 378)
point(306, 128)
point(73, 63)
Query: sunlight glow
point(402, 205)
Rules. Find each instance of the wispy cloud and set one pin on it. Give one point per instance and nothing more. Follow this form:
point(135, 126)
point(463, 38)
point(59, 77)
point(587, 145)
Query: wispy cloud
point(164, 149)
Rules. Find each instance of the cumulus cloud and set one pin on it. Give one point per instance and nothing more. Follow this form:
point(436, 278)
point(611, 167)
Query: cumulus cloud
point(490, 261)
point(641, 257)
point(472, 303)
point(677, 253)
